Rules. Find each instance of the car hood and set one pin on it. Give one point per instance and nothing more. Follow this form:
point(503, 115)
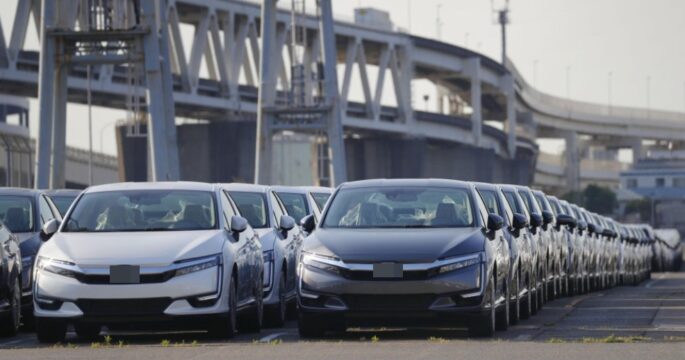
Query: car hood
point(159, 248)
point(267, 237)
point(395, 245)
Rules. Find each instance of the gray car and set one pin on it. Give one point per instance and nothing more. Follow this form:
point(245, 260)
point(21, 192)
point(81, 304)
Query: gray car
point(24, 212)
point(280, 238)
point(410, 252)
point(63, 198)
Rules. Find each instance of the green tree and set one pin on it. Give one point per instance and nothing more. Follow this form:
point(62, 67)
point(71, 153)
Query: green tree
point(600, 199)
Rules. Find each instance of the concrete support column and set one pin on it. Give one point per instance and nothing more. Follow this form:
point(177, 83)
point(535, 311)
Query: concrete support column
point(638, 150)
point(572, 160)
point(264, 141)
point(46, 90)
point(59, 127)
point(473, 66)
point(404, 55)
point(163, 142)
point(507, 85)
point(336, 144)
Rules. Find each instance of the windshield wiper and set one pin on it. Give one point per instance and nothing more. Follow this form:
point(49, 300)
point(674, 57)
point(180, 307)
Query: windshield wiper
point(158, 228)
point(416, 226)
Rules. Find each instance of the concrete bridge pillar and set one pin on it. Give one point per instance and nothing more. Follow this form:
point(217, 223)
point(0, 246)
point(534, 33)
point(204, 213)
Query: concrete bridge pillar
point(473, 69)
point(572, 157)
point(507, 85)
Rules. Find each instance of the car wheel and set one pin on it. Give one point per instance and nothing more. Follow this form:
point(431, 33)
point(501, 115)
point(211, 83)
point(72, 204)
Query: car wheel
point(516, 314)
point(503, 316)
point(484, 326)
point(87, 331)
point(252, 321)
point(10, 324)
point(224, 327)
point(310, 326)
point(527, 303)
point(276, 314)
point(535, 296)
point(50, 330)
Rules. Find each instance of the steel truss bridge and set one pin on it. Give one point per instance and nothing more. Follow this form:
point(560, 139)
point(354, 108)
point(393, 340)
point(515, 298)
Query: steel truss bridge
point(475, 90)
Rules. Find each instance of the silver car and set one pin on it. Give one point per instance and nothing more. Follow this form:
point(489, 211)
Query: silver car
point(280, 238)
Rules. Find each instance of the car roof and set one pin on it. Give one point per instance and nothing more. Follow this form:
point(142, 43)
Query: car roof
point(317, 189)
point(163, 185)
point(485, 186)
point(65, 192)
point(289, 189)
point(245, 187)
point(405, 182)
point(20, 191)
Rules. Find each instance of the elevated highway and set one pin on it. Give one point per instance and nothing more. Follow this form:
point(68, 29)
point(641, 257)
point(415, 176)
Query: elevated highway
point(476, 94)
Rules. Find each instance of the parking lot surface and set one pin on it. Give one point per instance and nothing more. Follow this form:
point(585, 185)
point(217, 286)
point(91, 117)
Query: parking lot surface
point(647, 321)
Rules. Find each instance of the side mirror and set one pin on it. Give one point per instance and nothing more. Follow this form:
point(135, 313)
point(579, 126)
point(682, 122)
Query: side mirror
point(238, 224)
point(519, 222)
point(535, 220)
point(286, 223)
point(567, 220)
point(308, 224)
point(608, 233)
point(49, 229)
point(582, 225)
point(591, 228)
point(495, 222)
point(547, 217)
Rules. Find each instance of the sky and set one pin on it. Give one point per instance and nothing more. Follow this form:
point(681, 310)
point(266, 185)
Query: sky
point(631, 49)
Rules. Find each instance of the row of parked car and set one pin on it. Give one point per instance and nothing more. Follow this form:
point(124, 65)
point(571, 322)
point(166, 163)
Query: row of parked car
point(234, 257)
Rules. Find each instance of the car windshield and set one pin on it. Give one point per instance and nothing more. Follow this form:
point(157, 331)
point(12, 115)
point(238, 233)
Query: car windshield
point(320, 199)
point(143, 210)
point(295, 204)
point(252, 206)
point(395, 207)
point(17, 213)
point(62, 202)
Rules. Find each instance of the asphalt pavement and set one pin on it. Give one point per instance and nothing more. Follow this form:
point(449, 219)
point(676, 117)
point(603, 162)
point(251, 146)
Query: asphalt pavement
point(646, 321)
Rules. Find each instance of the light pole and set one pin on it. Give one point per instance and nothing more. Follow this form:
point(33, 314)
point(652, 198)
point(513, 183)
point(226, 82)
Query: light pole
point(649, 81)
point(438, 22)
point(609, 85)
point(535, 73)
point(466, 40)
point(409, 15)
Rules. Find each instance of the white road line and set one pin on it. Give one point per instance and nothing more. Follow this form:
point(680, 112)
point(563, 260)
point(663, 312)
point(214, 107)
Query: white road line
point(268, 338)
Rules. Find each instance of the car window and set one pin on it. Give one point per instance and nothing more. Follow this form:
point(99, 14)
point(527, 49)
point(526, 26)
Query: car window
point(405, 207)
point(143, 210)
point(17, 213)
point(295, 204)
point(515, 205)
point(490, 201)
point(278, 209)
point(252, 206)
point(44, 210)
point(320, 199)
point(531, 204)
point(227, 208)
point(62, 202)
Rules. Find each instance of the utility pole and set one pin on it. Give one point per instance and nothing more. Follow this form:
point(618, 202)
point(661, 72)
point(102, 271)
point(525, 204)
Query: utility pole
point(503, 20)
point(438, 22)
point(609, 85)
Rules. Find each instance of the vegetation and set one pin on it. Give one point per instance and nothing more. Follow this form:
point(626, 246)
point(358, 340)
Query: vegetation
point(594, 198)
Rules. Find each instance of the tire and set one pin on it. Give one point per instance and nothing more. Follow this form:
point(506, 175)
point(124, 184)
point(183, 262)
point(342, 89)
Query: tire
point(484, 325)
point(310, 326)
point(87, 331)
point(515, 316)
point(276, 314)
point(224, 327)
point(252, 320)
point(535, 297)
point(9, 324)
point(527, 303)
point(503, 317)
point(50, 331)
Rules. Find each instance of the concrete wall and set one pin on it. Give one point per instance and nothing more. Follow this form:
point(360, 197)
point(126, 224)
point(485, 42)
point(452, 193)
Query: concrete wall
point(224, 152)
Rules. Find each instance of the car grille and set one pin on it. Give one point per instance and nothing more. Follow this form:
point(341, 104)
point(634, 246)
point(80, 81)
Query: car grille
point(406, 276)
point(388, 302)
point(123, 307)
point(144, 278)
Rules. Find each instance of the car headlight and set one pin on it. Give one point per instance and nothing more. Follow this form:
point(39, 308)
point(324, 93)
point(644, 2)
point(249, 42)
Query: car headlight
point(460, 263)
point(59, 267)
point(198, 264)
point(320, 262)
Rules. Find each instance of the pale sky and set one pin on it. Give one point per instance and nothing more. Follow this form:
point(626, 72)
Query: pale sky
point(633, 39)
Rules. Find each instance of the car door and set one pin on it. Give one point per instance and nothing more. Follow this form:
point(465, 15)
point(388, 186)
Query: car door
point(499, 245)
point(241, 245)
point(290, 240)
